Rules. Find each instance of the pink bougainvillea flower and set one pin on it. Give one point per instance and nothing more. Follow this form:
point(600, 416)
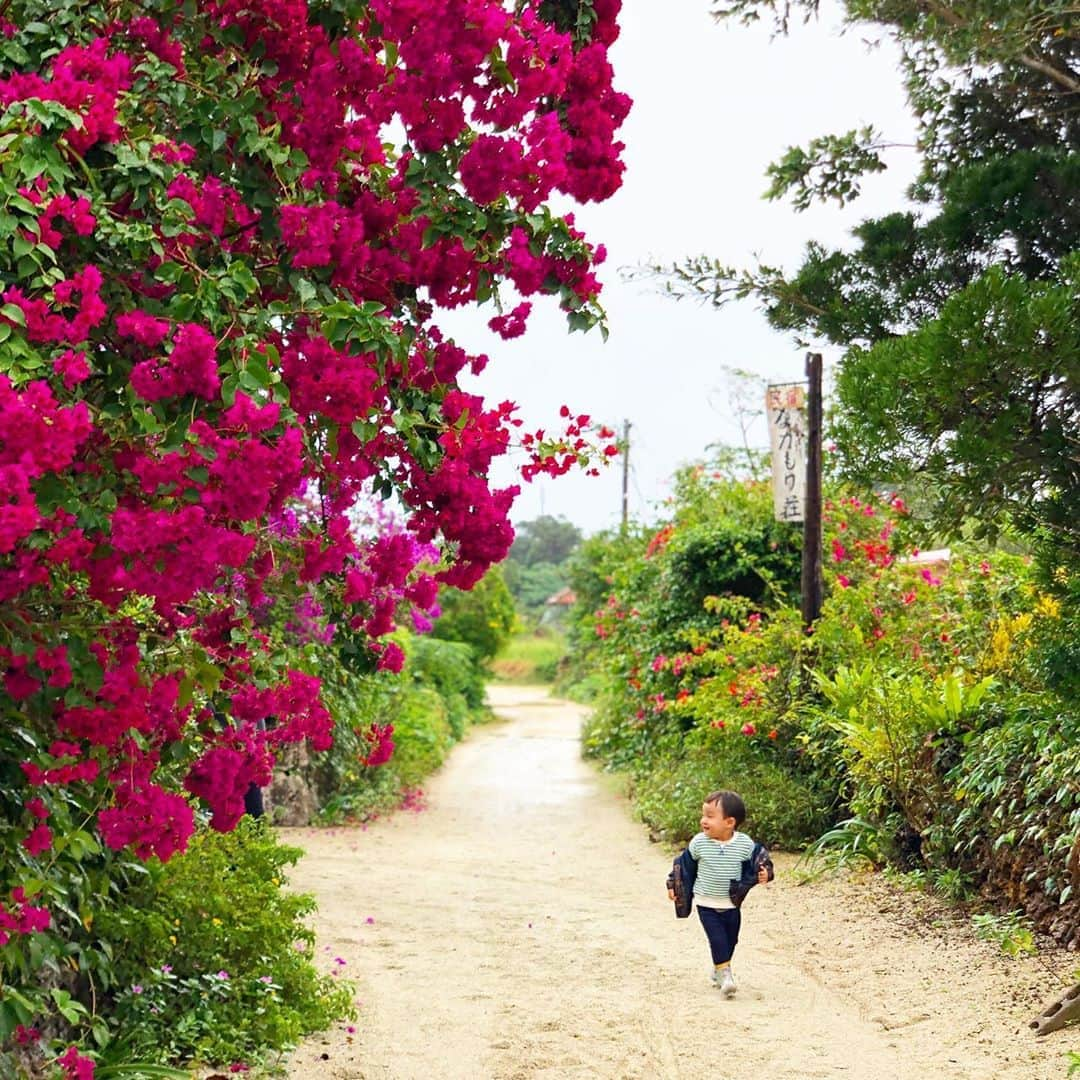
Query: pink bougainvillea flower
point(511, 325)
point(75, 1066)
point(39, 840)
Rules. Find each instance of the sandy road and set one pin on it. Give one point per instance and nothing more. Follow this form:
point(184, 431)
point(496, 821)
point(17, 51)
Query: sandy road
point(521, 929)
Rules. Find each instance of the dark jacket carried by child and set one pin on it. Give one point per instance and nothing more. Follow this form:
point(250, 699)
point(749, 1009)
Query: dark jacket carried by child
point(684, 871)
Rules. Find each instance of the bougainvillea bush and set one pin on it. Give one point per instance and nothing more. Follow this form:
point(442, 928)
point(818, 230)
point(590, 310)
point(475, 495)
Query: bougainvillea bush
point(927, 715)
point(227, 231)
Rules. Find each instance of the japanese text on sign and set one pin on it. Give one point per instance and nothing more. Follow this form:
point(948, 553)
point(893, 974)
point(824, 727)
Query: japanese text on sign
point(786, 409)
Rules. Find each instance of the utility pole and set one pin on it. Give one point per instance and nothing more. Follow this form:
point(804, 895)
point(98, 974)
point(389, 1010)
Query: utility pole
point(625, 472)
point(811, 554)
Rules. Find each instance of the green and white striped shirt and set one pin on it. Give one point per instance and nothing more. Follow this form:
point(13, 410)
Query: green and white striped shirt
point(719, 864)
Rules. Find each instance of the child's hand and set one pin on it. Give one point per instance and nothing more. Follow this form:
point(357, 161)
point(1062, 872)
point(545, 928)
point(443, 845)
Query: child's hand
point(763, 876)
point(671, 894)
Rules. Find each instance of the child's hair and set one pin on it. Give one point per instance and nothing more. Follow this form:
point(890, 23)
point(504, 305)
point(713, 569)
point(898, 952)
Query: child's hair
point(730, 805)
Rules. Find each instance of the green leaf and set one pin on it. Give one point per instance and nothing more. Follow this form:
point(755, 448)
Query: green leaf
point(305, 290)
point(186, 692)
point(208, 676)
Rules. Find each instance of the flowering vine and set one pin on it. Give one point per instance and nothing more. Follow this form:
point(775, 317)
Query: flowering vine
point(228, 231)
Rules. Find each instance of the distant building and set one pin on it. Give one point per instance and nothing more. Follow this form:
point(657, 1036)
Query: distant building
point(556, 606)
point(936, 557)
point(563, 598)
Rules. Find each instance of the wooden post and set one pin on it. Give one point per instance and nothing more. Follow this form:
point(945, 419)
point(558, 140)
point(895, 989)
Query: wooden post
point(625, 472)
point(1058, 1013)
point(811, 554)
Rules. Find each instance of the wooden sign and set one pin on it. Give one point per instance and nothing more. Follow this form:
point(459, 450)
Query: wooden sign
point(788, 429)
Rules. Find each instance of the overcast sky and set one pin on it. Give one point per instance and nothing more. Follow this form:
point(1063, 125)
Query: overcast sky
point(713, 106)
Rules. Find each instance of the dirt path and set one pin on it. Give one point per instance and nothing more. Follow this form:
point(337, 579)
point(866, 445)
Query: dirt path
point(521, 929)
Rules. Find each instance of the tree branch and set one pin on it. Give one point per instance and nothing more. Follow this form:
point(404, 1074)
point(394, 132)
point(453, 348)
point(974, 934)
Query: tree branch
point(1065, 79)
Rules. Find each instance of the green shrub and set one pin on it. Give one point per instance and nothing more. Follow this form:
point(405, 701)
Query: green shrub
point(1016, 810)
point(422, 736)
point(584, 689)
point(782, 810)
point(449, 668)
point(754, 559)
point(213, 956)
point(481, 617)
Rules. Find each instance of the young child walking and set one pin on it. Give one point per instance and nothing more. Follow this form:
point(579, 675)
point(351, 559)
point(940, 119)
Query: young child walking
point(718, 868)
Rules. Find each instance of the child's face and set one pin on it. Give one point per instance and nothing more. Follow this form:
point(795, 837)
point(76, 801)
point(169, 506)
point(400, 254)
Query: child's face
point(713, 823)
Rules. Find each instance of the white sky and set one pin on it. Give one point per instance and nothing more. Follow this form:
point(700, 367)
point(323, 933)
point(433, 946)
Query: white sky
point(713, 106)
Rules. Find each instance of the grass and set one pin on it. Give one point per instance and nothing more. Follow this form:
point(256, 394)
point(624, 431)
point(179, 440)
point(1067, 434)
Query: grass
point(530, 657)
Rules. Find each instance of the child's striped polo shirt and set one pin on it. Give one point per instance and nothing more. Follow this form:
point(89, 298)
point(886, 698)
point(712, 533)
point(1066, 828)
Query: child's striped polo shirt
point(719, 864)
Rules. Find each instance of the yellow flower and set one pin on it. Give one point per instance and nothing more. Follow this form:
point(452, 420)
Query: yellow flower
point(1048, 607)
point(172, 938)
point(1003, 640)
point(216, 922)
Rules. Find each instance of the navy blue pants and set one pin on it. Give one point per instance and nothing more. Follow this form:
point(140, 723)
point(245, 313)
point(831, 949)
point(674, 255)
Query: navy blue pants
point(722, 930)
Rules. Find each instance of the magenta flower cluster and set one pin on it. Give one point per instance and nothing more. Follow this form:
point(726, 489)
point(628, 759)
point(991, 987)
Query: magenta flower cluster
point(221, 361)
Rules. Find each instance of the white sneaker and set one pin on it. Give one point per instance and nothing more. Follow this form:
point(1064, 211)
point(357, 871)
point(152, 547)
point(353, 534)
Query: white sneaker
point(727, 983)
